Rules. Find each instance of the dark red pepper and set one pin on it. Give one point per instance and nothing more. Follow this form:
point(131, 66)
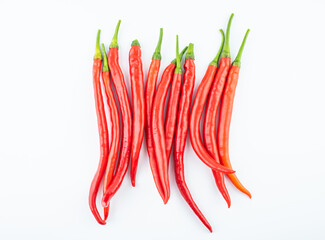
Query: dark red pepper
point(158, 132)
point(181, 133)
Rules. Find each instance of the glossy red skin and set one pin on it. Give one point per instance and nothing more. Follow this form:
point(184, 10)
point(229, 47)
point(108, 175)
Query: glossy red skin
point(138, 107)
point(149, 96)
point(171, 114)
point(224, 125)
point(103, 139)
point(210, 122)
point(195, 116)
point(122, 95)
point(158, 131)
point(115, 123)
point(180, 138)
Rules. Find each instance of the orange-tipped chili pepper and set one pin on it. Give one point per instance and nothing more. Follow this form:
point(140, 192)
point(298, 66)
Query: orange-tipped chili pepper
point(210, 121)
point(157, 128)
point(181, 132)
point(138, 105)
point(122, 95)
point(225, 117)
point(197, 110)
point(103, 133)
point(172, 107)
point(115, 122)
point(149, 96)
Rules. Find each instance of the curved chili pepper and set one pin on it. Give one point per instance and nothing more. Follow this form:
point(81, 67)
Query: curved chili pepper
point(138, 107)
point(122, 95)
point(115, 121)
point(158, 133)
point(149, 96)
point(196, 114)
point(225, 117)
point(181, 132)
point(210, 120)
point(103, 133)
point(172, 107)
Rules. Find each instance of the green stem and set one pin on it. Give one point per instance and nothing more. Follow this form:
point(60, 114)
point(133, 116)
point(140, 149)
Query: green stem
point(190, 52)
point(238, 57)
point(178, 68)
point(114, 43)
point(156, 54)
point(105, 65)
point(135, 42)
point(216, 59)
point(226, 49)
point(181, 55)
point(98, 54)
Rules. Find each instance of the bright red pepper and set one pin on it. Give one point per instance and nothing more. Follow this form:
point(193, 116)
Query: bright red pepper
point(172, 107)
point(122, 95)
point(115, 122)
point(158, 132)
point(149, 96)
point(103, 133)
point(225, 117)
point(138, 105)
point(181, 132)
point(210, 121)
point(197, 111)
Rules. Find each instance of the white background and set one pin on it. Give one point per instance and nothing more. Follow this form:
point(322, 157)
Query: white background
point(48, 131)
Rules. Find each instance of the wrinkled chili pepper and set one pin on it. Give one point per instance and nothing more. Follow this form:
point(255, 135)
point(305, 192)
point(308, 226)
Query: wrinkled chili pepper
point(225, 117)
point(103, 133)
point(210, 120)
point(149, 96)
point(122, 95)
point(138, 107)
point(157, 128)
point(181, 132)
point(115, 122)
point(172, 107)
point(195, 116)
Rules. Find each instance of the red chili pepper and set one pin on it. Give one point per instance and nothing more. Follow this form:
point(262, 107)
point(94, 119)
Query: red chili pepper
point(149, 96)
point(196, 114)
point(115, 121)
point(103, 133)
point(181, 132)
point(138, 107)
point(158, 132)
point(225, 117)
point(210, 121)
point(122, 95)
point(172, 107)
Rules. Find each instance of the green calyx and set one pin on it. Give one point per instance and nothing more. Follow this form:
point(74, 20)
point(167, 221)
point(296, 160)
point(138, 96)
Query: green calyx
point(114, 43)
point(98, 54)
point(156, 54)
point(105, 62)
point(178, 68)
point(238, 57)
point(216, 59)
point(135, 42)
point(226, 49)
point(181, 55)
point(190, 51)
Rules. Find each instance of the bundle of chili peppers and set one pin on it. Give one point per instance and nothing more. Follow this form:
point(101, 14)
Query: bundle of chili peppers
point(146, 116)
